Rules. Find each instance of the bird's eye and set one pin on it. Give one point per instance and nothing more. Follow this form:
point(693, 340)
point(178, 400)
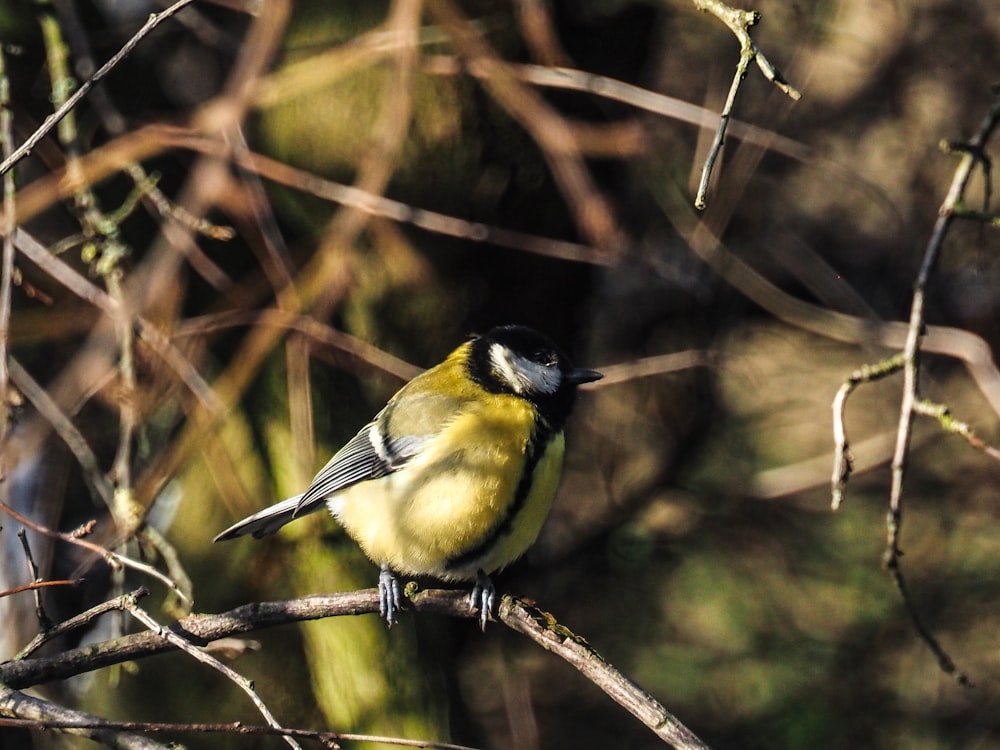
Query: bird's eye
point(545, 359)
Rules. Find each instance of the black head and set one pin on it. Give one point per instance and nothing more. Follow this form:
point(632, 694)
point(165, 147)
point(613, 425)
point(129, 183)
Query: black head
point(523, 362)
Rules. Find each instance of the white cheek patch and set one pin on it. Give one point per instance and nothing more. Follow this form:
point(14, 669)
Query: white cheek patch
point(523, 374)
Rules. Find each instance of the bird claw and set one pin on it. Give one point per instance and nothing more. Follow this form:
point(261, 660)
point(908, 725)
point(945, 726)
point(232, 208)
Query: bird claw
point(483, 598)
point(390, 596)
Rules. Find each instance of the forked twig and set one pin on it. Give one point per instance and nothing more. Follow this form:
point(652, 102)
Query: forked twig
point(113, 558)
point(739, 22)
point(908, 360)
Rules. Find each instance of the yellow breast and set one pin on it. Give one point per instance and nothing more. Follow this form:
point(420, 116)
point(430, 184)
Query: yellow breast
point(463, 494)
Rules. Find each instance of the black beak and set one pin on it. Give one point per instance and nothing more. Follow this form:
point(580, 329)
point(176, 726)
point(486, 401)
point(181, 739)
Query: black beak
point(579, 376)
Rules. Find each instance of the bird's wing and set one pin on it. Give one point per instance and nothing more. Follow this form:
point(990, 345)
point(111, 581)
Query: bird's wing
point(411, 420)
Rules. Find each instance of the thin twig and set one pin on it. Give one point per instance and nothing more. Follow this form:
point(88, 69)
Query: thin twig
point(35, 585)
point(945, 661)
point(701, 197)
point(242, 682)
point(175, 569)
point(658, 364)
point(739, 22)
point(112, 558)
point(328, 739)
point(119, 603)
point(43, 619)
point(972, 154)
point(346, 345)
point(911, 351)
point(7, 261)
point(948, 423)
point(155, 19)
point(843, 462)
point(378, 205)
point(572, 79)
point(33, 708)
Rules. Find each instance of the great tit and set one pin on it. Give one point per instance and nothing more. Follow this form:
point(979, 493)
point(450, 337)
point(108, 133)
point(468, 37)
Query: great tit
point(455, 476)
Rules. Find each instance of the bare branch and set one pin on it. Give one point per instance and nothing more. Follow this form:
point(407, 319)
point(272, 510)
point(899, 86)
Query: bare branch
point(201, 629)
point(98, 484)
point(18, 704)
point(944, 417)
point(155, 19)
point(83, 619)
point(9, 209)
point(35, 585)
point(242, 682)
point(739, 22)
point(910, 404)
point(328, 739)
point(113, 558)
point(843, 463)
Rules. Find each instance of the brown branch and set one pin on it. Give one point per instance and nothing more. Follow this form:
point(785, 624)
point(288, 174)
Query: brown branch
point(328, 739)
point(34, 585)
point(205, 658)
point(83, 619)
point(201, 629)
point(114, 559)
point(8, 209)
point(739, 22)
point(843, 462)
point(155, 19)
point(910, 404)
point(17, 704)
point(43, 618)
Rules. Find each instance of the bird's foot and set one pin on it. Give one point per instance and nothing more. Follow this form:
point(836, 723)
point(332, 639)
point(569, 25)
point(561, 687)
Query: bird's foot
point(390, 596)
point(483, 598)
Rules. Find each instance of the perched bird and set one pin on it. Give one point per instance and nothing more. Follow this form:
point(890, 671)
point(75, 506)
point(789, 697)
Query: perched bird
point(455, 476)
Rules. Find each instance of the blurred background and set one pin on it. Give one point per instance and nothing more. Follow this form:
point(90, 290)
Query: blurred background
point(692, 542)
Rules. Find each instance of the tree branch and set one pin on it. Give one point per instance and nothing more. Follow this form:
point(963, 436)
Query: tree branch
point(201, 629)
point(739, 22)
point(973, 153)
point(16, 704)
point(155, 19)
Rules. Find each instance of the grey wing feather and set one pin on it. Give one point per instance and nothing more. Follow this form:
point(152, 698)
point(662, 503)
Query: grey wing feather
point(358, 461)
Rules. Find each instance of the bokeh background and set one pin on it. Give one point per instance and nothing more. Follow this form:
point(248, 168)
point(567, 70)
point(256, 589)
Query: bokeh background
point(692, 542)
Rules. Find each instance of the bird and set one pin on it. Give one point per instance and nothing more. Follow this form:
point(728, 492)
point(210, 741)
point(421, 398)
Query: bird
point(455, 476)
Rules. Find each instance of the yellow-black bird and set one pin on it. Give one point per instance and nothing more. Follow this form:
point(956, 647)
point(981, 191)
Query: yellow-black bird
point(454, 478)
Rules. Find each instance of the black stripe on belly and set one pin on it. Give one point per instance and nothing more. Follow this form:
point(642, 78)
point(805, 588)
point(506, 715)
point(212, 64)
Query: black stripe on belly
point(541, 436)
